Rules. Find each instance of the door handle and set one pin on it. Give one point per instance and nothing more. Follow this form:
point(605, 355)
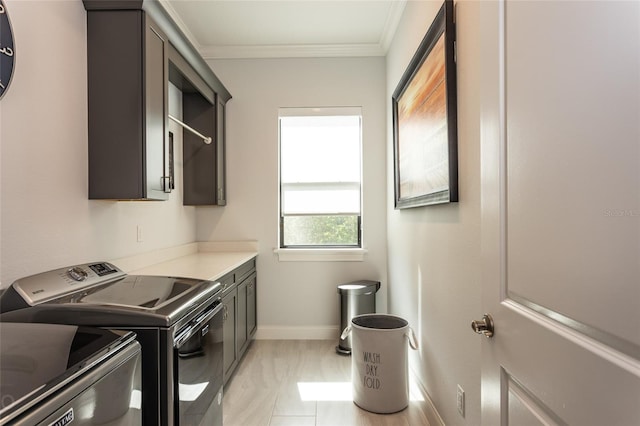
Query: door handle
point(483, 326)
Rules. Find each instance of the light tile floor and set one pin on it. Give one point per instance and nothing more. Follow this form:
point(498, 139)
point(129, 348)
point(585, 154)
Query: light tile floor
point(300, 383)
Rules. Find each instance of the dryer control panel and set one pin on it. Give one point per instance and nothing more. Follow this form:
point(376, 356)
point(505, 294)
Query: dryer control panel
point(45, 286)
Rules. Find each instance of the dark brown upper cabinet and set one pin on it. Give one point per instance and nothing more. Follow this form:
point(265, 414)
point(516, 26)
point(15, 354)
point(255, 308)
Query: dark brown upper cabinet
point(127, 59)
point(134, 50)
point(203, 110)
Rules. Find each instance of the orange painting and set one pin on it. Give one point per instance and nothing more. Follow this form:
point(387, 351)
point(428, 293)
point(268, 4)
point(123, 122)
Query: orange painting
point(423, 156)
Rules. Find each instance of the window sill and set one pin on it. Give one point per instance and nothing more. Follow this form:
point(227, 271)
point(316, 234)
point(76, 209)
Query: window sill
point(320, 255)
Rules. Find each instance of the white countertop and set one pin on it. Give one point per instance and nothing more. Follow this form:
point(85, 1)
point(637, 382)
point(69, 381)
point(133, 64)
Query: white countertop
point(204, 260)
point(204, 266)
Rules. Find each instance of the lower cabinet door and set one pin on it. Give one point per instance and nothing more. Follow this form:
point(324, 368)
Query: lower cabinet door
point(242, 317)
point(229, 333)
point(251, 307)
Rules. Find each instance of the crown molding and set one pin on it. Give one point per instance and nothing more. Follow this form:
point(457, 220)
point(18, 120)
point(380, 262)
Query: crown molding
point(295, 51)
point(291, 51)
point(390, 27)
point(180, 23)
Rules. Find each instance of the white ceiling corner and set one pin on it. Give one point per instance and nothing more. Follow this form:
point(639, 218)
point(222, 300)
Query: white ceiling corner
point(308, 32)
point(180, 23)
point(393, 20)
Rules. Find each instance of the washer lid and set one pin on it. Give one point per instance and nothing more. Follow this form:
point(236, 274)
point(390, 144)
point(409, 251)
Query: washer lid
point(101, 295)
point(38, 358)
point(139, 291)
point(130, 302)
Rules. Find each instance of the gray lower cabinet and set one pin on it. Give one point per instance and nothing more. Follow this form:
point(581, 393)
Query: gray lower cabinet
point(241, 322)
point(239, 305)
point(229, 333)
point(252, 320)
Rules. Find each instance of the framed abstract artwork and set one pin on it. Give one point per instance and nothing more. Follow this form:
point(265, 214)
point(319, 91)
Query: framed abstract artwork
point(425, 120)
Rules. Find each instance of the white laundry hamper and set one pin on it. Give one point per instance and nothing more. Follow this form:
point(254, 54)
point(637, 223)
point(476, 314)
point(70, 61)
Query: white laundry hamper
point(379, 364)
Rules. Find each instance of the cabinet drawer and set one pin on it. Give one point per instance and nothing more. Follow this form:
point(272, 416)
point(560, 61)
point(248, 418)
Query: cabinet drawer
point(244, 270)
point(227, 282)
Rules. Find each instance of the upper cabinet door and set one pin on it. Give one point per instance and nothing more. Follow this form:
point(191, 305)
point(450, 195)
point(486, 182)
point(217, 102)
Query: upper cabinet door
point(221, 152)
point(156, 76)
point(127, 84)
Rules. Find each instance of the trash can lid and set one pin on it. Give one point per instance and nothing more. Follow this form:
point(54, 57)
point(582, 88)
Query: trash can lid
point(359, 287)
point(379, 321)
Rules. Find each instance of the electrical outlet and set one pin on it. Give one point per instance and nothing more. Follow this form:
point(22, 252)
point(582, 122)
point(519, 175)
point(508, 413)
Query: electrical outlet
point(139, 233)
point(460, 399)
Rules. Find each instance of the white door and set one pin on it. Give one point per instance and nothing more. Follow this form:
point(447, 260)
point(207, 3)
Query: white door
point(561, 212)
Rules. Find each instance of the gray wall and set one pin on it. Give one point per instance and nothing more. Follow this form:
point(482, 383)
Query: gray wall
point(434, 252)
point(46, 219)
point(297, 299)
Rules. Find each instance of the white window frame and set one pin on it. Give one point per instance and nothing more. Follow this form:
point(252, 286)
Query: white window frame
point(328, 253)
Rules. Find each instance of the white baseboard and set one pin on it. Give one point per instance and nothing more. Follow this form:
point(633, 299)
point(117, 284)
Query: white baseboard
point(297, 333)
point(432, 413)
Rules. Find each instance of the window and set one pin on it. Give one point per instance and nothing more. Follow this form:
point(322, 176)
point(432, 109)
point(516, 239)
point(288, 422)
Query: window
point(320, 177)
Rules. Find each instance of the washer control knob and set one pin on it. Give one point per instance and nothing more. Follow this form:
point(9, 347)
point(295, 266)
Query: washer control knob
point(77, 273)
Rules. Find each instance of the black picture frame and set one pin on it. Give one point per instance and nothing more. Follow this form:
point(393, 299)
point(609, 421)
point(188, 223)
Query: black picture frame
point(424, 106)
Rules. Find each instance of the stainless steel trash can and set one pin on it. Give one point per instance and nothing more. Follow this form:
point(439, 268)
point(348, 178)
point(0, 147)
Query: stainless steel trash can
point(356, 298)
point(379, 364)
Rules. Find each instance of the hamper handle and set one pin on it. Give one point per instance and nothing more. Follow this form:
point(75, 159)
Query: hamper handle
point(345, 332)
point(410, 335)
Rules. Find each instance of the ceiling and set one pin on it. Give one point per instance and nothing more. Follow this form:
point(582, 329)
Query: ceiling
point(287, 28)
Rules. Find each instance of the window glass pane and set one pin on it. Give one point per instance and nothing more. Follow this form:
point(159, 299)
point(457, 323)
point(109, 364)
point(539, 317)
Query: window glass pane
point(320, 177)
point(320, 231)
point(325, 201)
point(320, 149)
